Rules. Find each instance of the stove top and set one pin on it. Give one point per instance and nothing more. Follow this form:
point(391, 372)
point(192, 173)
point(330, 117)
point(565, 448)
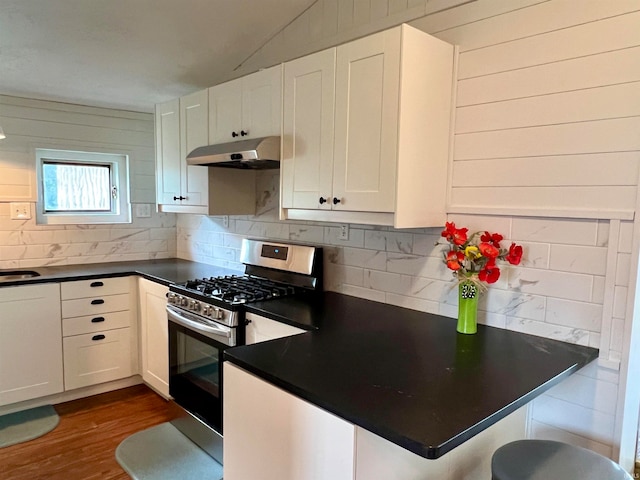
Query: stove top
point(272, 270)
point(235, 289)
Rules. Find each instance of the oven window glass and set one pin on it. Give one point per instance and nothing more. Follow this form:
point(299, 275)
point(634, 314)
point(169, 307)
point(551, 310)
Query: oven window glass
point(198, 363)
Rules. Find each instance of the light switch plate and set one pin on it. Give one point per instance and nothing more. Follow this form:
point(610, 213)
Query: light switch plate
point(20, 210)
point(143, 210)
point(344, 232)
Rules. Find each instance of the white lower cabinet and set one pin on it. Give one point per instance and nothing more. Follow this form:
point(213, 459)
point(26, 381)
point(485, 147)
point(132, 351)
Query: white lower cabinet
point(260, 329)
point(97, 357)
point(99, 331)
point(272, 435)
point(154, 335)
point(30, 342)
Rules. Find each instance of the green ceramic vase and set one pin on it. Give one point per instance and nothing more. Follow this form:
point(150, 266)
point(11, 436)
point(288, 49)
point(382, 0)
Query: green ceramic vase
point(467, 307)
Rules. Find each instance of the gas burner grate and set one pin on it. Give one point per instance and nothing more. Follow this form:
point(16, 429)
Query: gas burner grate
point(236, 289)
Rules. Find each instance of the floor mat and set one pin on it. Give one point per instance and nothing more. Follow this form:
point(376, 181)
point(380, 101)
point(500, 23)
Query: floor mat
point(26, 425)
point(163, 452)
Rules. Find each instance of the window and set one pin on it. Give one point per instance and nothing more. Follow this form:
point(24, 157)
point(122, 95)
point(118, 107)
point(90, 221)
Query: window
point(82, 187)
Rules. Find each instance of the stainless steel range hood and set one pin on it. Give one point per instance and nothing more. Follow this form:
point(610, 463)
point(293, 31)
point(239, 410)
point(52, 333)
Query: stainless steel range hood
point(255, 153)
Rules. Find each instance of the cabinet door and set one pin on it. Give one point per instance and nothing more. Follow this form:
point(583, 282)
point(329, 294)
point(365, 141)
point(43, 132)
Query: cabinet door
point(30, 342)
point(225, 112)
point(260, 329)
point(262, 103)
point(366, 123)
point(194, 133)
point(307, 147)
point(168, 163)
point(272, 435)
point(154, 335)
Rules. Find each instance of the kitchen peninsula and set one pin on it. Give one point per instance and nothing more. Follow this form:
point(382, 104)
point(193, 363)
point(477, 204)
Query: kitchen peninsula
point(370, 390)
point(375, 377)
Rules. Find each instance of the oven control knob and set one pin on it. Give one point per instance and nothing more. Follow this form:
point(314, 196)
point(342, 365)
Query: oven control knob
point(217, 314)
point(171, 297)
point(206, 310)
point(192, 304)
point(183, 301)
point(196, 306)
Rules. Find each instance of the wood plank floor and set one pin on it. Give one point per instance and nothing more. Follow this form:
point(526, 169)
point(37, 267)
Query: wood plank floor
point(83, 444)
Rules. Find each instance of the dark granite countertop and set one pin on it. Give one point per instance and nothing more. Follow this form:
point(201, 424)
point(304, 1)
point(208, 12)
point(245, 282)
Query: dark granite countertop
point(405, 375)
point(164, 271)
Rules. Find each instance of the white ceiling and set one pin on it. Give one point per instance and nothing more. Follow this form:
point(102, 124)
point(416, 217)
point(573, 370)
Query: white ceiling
point(130, 54)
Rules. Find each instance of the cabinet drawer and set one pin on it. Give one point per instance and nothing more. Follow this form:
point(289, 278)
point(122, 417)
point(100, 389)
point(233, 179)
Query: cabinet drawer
point(94, 305)
point(95, 287)
point(95, 323)
point(97, 357)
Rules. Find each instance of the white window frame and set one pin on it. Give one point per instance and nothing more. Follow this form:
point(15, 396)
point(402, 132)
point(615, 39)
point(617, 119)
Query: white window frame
point(120, 211)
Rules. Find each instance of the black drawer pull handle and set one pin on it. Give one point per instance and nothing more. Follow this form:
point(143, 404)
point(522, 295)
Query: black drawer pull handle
point(98, 337)
point(97, 320)
point(97, 301)
point(97, 284)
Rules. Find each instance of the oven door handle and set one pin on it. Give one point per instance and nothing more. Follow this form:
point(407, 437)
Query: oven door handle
point(176, 317)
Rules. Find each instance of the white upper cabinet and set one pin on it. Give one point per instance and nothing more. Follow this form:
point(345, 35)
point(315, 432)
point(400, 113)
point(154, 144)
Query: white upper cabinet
point(181, 126)
point(194, 131)
point(225, 112)
point(248, 107)
point(307, 132)
point(168, 152)
point(366, 130)
point(389, 131)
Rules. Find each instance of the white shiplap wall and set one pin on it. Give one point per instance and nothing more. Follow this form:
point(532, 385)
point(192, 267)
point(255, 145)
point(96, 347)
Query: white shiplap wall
point(534, 133)
point(546, 152)
point(30, 124)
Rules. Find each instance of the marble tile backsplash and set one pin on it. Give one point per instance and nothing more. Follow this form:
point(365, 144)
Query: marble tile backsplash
point(557, 291)
point(25, 244)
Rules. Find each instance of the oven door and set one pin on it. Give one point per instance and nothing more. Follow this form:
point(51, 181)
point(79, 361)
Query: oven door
point(195, 365)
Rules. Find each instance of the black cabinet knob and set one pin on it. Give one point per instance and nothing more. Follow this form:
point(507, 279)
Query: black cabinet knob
point(234, 134)
point(243, 133)
point(322, 200)
point(336, 200)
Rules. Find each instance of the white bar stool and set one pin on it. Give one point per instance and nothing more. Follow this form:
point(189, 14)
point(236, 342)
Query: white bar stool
point(549, 460)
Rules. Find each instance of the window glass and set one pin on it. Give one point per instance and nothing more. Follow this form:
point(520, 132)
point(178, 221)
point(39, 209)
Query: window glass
point(76, 187)
point(82, 187)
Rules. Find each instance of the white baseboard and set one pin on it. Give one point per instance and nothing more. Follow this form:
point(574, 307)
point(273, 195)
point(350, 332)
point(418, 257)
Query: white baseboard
point(72, 394)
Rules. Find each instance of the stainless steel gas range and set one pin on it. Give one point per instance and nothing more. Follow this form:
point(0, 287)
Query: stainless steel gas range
point(207, 316)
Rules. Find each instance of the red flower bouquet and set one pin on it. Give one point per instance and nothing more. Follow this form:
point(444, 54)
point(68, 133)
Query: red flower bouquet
point(474, 257)
point(473, 262)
